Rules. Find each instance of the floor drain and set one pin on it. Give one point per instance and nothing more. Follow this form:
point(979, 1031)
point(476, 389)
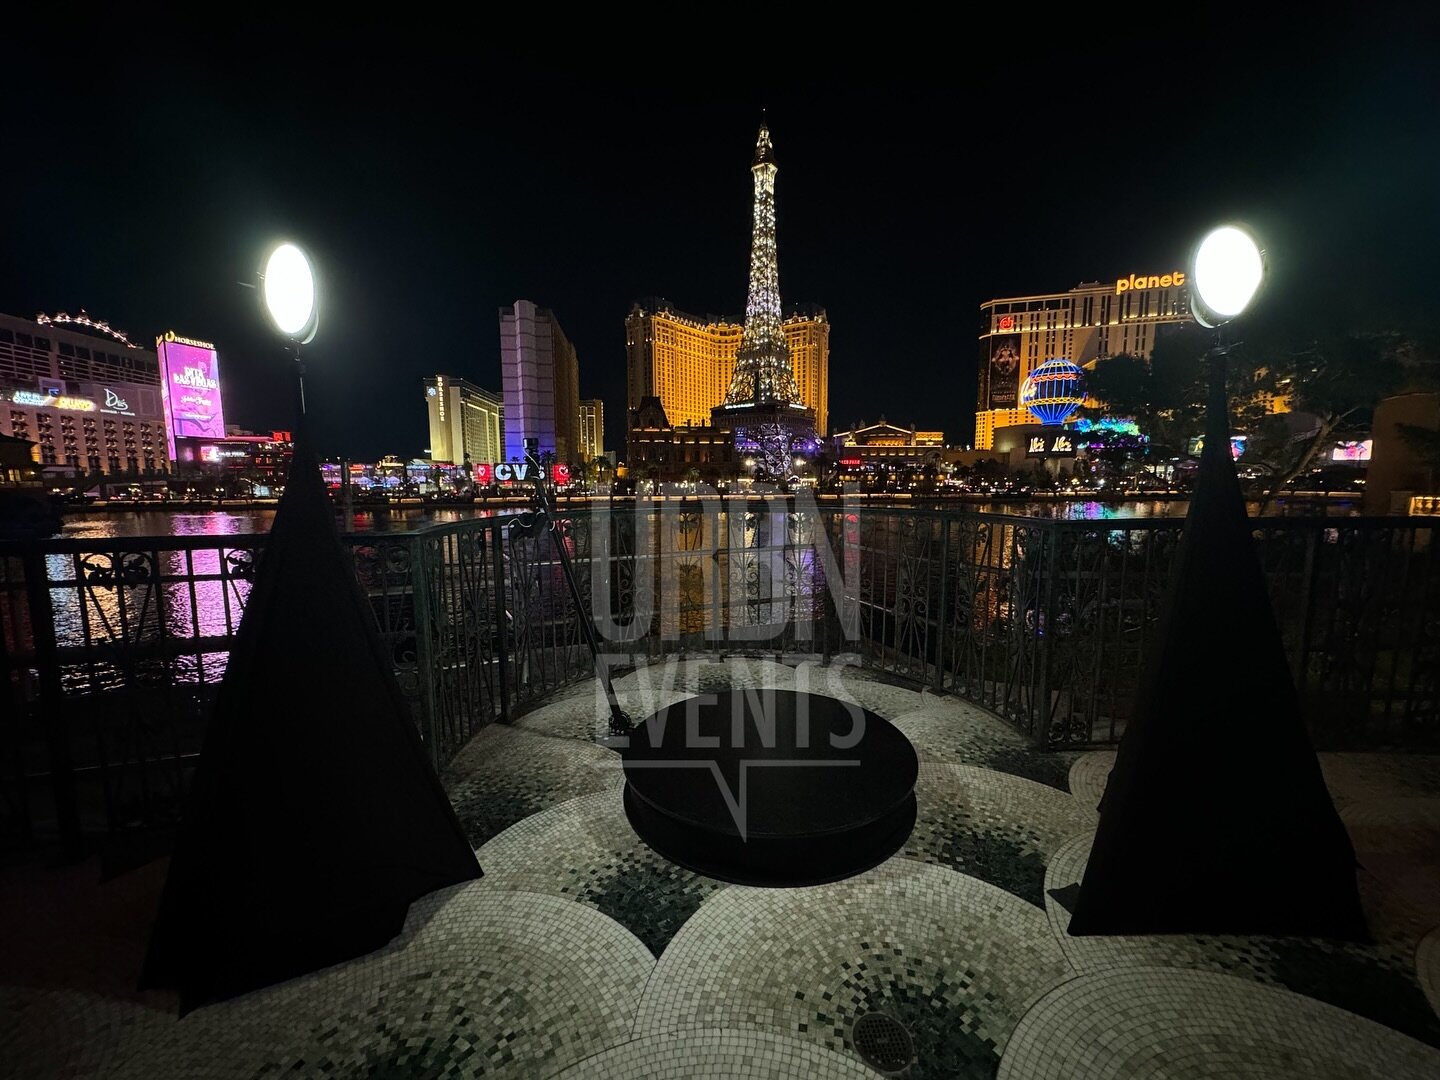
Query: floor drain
point(882, 1042)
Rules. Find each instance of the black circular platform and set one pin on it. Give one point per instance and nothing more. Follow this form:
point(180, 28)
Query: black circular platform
point(770, 787)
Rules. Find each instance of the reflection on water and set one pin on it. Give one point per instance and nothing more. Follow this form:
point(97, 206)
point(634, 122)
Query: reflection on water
point(96, 526)
point(227, 522)
point(1098, 510)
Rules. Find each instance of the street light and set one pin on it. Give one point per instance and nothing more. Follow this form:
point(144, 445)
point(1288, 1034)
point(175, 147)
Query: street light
point(1225, 274)
point(289, 294)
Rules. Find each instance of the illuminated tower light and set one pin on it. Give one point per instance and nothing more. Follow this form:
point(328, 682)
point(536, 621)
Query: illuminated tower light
point(762, 366)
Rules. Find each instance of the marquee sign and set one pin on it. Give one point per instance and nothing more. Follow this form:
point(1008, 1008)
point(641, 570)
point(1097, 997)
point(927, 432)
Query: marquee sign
point(509, 471)
point(1060, 444)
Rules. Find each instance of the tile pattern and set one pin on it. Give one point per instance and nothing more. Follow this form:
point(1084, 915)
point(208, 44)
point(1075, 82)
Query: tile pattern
point(481, 981)
point(585, 850)
point(999, 828)
point(587, 716)
point(504, 775)
point(547, 965)
point(1153, 1022)
point(954, 959)
point(1089, 774)
point(1376, 981)
point(1427, 967)
point(718, 1055)
point(948, 730)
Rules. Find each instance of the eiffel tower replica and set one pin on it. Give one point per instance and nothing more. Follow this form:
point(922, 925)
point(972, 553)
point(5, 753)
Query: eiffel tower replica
point(763, 405)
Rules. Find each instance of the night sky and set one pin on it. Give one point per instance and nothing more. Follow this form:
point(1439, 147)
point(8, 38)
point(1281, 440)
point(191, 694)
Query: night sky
point(435, 178)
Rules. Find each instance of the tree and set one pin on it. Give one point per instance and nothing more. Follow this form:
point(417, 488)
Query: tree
point(1338, 381)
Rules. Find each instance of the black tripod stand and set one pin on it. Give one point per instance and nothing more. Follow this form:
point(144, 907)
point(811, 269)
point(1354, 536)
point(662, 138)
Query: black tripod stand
point(545, 518)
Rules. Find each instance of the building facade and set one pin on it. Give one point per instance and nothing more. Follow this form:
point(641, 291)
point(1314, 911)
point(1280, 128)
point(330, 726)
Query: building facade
point(467, 423)
point(1084, 325)
point(592, 429)
point(83, 393)
point(657, 449)
point(688, 362)
point(260, 459)
point(541, 377)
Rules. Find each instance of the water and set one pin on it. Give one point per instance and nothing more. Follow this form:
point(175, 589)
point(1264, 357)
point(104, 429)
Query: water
point(93, 525)
point(100, 526)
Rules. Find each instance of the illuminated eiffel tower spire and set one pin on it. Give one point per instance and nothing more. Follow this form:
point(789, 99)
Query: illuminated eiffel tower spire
point(762, 366)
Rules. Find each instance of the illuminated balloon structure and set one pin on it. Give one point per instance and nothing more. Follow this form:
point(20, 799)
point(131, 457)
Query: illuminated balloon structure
point(1053, 391)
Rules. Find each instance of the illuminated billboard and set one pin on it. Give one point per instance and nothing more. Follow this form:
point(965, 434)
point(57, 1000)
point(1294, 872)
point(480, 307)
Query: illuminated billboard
point(1352, 451)
point(189, 390)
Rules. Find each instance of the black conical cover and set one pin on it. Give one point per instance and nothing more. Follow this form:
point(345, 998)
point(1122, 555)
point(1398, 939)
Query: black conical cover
point(1216, 818)
point(315, 817)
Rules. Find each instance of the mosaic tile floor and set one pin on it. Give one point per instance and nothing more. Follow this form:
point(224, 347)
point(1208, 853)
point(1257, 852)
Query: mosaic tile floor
point(584, 954)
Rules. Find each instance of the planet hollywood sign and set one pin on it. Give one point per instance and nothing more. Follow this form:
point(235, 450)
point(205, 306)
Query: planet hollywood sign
point(505, 472)
point(1154, 281)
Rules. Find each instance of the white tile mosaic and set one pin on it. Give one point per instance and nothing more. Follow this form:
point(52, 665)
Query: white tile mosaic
point(1128, 1023)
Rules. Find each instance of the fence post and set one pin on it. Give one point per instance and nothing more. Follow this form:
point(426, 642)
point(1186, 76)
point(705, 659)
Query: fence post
point(1045, 626)
point(52, 701)
point(940, 619)
point(1307, 608)
point(425, 652)
point(497, 545)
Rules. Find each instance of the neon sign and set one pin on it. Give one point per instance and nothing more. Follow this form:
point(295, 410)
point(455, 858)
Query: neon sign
point(54, 401)
point(1140, 281)
point(1007, 322)
point(115, 401)
point(484, 474)
point(560, 473)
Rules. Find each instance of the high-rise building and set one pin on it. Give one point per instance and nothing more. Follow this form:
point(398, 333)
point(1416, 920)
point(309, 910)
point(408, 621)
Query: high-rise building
point(541, 378)
point(592, 429)
point(466, 422)
point(762, 407)
point(688, 362)
point(1090, 322)
point(83, 393)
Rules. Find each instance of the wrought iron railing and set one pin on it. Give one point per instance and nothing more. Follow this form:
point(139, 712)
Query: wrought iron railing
point(111, 650)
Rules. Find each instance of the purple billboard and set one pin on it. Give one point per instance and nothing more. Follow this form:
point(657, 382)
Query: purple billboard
point(189, 390)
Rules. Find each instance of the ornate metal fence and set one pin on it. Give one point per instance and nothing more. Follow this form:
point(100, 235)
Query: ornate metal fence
point(111, 650)
point(1046, 622)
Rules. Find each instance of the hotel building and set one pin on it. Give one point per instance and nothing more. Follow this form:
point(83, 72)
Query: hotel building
point(541, 378)
point(688, 362)
point(467, 423)
point(1084, 325)
point(83, 393)
point(592, 429)
point(658, 449)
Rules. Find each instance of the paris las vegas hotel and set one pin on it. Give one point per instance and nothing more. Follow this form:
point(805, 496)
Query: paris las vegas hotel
point(1090, 322)
point(688, 362)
